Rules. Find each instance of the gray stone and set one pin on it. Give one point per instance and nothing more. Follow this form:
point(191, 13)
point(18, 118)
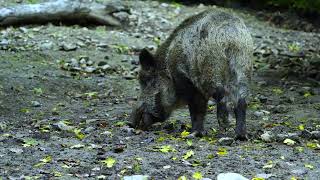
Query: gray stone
point(225, 141)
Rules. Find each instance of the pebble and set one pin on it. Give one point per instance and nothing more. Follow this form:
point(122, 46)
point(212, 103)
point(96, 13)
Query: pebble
point(62, 126)
point(16, 150)
point(267, 136)
point(68, 46)
point(136, 177)
point(231, 176)
point(264, 176)
point(299, 172)
point(35, 104)
point(225, 141)
point(46, 46)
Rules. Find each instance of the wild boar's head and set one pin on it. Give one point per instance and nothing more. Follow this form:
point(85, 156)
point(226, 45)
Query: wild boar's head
point(156, 95)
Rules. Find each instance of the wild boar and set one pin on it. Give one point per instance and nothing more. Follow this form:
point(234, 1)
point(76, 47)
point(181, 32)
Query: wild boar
point(208, 55)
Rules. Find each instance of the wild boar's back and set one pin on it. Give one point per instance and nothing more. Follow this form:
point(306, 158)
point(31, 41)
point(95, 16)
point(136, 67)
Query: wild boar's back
point(211, 49)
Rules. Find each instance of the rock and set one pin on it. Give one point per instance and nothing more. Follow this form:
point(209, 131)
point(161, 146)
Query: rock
point(62, 126)
point(310, 135)
point(263, 99)
point(264, 176)
point(89, 129)
point(282, 137)
point(46, 46)
point(261, 113)
point(167, 167)
point(4, 42)
point(230, 176)
point(35, 104)
point(102, 63)
point(225, 141)
point(136, 177)
point(211, 103)
point(73, 62)
point(129, 76)
point(89, 69)
point(106, 67)
point(80, 43)
point(16, 150)
point(68, 46)
point(267, 136)
point(3, 126)
point(299, 172)
point(119, 148)
point(122, 16)
point(258, 113)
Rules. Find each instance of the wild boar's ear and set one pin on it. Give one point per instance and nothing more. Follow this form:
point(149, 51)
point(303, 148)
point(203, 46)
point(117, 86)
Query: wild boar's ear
point(146, 59)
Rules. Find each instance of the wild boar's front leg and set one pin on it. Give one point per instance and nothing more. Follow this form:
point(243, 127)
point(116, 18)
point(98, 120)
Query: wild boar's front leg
point(222, 111)
point(197, 107)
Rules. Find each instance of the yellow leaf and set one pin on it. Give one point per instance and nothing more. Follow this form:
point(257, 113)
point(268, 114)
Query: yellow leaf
point(109, 162)
point(269, 165)
point(184, 134)
point(301, 127)
point(293, 178)
point(222, 151)
point(312, 145)
point(197, 175)
point(43, 161)
point(78, 134)
point(257, 178)
point(289, 142)
point(307, 94)
point(57, 174)
point(308, 166)
point(188, 155)
point(166, 149)
point(182, 178)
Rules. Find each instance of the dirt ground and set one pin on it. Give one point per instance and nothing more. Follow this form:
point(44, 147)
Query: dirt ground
point(66, 93)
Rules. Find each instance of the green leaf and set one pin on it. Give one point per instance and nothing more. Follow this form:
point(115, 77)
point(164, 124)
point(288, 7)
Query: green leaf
point(37, 91)
point(120, 123)
point(29, 142)
point(79, 134)
point(184, 134)
point(301, 127)
point(188, 155)
point(166, 148)
point(91, 94)
point(277, 91)
point(197, 175)
point(222, 151)
point(210, 156)
point(44, 161)
point(189, 142)
point(109, 162)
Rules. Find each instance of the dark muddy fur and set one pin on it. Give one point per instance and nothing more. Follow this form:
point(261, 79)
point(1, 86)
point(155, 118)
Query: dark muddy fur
point(208, 55)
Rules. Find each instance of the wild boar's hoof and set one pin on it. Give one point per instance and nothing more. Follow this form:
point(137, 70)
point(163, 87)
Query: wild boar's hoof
point(241, 137)
point(195, 134)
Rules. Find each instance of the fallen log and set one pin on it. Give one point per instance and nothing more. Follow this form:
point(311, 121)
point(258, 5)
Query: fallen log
point(65, 11)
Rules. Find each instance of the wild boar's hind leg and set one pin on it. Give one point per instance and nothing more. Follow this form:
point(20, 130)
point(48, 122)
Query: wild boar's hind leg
point(197, 107)
point(240, 113)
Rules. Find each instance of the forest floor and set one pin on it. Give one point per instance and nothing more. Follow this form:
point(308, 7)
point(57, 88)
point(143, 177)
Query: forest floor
point(66, 93)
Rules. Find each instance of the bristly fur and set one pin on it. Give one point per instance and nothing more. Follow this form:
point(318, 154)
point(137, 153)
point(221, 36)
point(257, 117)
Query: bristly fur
point(204, 54)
